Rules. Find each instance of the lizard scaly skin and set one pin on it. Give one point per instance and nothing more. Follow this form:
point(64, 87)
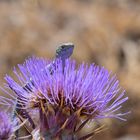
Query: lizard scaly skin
point(63, 52)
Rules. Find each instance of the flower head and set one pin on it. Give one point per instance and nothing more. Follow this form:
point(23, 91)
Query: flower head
point(65, 94)
point(6, 127)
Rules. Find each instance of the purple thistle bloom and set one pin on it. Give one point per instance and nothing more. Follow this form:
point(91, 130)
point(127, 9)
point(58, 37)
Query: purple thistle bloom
point(6, 127)
point(66, 95)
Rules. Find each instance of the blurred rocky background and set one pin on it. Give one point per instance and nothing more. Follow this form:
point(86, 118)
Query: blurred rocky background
point(106, 32)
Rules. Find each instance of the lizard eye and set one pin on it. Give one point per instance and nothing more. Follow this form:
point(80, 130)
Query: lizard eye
point(62, 47)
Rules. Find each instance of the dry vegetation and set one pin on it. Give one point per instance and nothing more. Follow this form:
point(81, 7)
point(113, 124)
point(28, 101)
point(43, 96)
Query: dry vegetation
point(106, 32)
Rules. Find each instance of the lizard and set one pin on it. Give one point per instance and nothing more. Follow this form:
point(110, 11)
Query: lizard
point(63, 52)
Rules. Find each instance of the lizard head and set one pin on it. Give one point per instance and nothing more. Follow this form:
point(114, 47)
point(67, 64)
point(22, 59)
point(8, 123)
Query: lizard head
point(64, 51)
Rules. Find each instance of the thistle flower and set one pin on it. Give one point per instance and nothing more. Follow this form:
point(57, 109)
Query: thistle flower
point(67, 95)
point(6, 127)
point(9, 125)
